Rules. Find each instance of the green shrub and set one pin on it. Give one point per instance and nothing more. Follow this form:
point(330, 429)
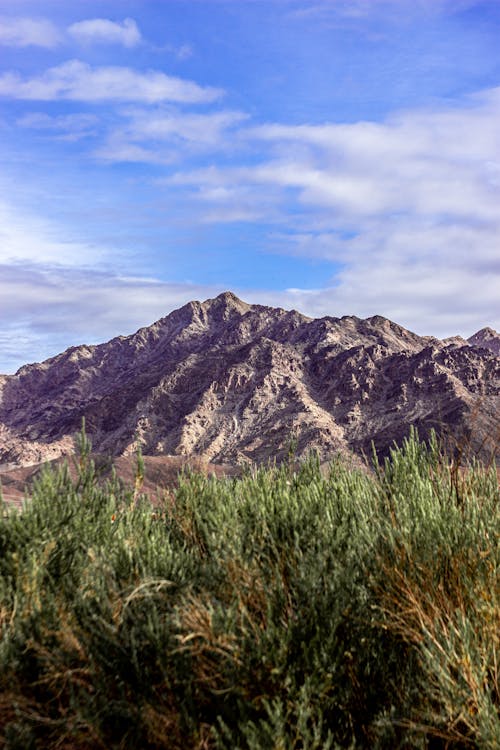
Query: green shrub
point(283, 610)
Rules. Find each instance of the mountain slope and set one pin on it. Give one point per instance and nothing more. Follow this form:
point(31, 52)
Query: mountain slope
point(229, 381)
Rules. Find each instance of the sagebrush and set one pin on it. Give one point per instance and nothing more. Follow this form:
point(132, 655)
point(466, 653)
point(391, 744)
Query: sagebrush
point(287, 609)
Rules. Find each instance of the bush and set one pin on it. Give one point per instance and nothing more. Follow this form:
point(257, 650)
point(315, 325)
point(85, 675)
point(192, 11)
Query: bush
point(284, 610)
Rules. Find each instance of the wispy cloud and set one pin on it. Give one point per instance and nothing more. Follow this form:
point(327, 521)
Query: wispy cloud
point(159, 136)
point(118, 148)
point(29, 32)
point(440, 164)
point(67, 127)
point(231, 194)
point(201, 129)
point(400, 11)
point(104, 31)
point(76, 80)
point(181, 52)
point(45, 310)
point(26, 238)
point(433, 279)
point(164, 137)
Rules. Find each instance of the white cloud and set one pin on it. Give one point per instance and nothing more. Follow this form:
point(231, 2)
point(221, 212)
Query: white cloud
point(28, 32)
point(119, 149)
point(102, 30)
point(45, 310)
point(76, 80)
point(67, 127)
point(225, 195)
point(442, 165)
point(164, 137)
point(200, 129)
point(424, 163)
point(433, 279)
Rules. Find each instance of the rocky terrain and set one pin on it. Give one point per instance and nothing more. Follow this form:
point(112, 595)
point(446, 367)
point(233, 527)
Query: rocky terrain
point(230, 382)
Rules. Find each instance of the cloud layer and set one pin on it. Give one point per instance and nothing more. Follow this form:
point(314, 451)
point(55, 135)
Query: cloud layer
point(409, 208)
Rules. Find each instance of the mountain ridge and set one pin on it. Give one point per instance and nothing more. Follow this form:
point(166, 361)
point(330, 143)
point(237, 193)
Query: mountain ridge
point(231, 382)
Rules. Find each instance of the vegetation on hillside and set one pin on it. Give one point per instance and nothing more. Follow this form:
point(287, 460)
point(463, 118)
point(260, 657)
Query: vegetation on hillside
point(285, 610)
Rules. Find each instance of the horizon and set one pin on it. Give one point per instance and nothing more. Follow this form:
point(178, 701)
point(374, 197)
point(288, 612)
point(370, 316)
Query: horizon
point(337, 158)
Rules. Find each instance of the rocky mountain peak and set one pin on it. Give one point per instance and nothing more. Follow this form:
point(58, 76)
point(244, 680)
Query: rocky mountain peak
point(225, 306)
point(487, 338)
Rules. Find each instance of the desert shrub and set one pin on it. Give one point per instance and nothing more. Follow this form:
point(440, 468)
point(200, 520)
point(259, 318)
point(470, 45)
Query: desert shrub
point(285, 609)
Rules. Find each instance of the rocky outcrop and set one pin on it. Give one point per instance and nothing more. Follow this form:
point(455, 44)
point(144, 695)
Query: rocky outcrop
point(486, 338)
point(232, 382)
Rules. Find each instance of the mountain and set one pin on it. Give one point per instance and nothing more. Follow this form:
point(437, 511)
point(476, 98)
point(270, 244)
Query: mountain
point(231, 382)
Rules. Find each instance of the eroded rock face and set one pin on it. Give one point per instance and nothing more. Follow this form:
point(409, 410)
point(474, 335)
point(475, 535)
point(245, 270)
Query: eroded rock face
point(232, 382)
point(486, 338)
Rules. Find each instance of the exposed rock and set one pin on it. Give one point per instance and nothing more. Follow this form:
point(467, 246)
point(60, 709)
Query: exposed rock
point(487, 338)
point(231, 382)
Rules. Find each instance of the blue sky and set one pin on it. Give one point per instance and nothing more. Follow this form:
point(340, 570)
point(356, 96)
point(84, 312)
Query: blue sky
point(338, 157)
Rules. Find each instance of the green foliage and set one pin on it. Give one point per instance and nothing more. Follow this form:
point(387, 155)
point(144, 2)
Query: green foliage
point(285, 610)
